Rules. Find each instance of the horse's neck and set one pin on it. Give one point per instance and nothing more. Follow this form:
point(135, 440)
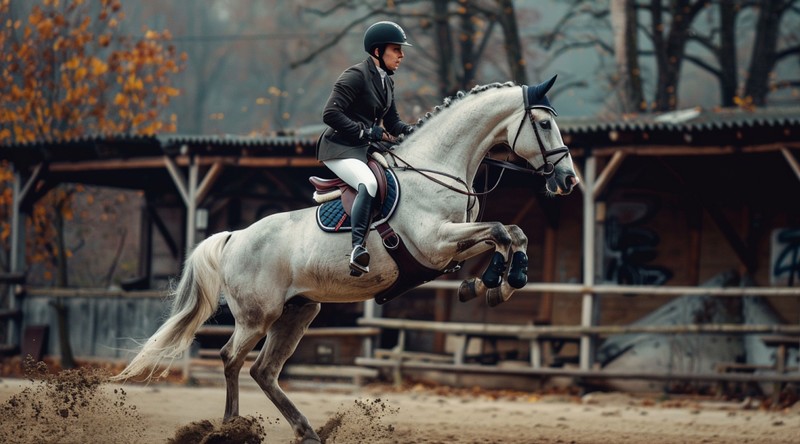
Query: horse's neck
point(456, 140)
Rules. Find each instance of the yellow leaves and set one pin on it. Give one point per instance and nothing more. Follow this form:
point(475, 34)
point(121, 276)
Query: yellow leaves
point(131, 83)
point(745, 103)
point(73, 63)
point(98, 66)
point(66, 74)
point(121, 100)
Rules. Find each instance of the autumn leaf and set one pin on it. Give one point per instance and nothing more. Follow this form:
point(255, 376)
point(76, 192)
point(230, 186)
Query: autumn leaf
point(67, 71)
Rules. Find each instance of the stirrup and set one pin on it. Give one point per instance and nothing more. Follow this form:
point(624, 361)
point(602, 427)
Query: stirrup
point(359, 261)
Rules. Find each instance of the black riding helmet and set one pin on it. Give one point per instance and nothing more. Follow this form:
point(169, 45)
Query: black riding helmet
point(381, 34)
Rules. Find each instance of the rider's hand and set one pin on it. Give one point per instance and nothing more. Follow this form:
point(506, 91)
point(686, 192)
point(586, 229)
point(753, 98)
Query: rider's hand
point(375, 134)
point(389, 138)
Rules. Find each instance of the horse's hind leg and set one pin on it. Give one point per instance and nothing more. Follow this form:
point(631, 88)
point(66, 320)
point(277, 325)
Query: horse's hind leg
point(233, 354)
point(282, 340)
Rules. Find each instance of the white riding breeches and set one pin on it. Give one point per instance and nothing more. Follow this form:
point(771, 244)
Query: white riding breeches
point(354, 172)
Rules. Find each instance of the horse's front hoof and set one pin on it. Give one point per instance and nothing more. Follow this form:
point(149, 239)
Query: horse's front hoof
point(309, 441)
point(467, 291)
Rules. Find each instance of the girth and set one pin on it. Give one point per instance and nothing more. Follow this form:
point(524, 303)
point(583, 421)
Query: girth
point(411, 273)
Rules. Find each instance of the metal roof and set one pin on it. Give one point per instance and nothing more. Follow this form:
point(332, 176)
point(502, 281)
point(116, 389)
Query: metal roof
point(690, 127)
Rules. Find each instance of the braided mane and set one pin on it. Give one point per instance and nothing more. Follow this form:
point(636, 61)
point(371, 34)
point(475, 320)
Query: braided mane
point(448, 101)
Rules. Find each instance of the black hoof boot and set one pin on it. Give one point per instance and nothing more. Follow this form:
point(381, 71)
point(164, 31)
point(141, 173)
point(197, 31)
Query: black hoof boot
point(518, 272)
point(359, 261)
point(493, 276)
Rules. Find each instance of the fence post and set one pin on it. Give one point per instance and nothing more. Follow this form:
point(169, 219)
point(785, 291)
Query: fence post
point(587, 306)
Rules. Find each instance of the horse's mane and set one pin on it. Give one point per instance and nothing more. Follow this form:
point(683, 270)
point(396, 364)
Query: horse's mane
point(448, 101)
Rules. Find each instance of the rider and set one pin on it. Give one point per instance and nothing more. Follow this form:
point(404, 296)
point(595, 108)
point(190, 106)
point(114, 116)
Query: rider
point(361, 110)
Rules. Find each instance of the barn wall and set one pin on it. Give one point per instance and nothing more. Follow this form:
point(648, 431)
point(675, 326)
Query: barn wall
point(98, 327)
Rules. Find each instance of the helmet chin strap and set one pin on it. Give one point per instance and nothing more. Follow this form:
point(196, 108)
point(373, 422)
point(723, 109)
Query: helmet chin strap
point(383, 66)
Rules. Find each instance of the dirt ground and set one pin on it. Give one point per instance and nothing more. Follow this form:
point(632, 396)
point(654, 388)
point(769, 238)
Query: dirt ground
point(80, 407)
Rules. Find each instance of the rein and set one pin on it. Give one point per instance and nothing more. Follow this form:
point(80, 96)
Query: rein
point(547, 169)
point(426, 173)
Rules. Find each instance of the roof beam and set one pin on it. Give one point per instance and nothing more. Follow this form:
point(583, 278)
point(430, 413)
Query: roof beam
point(792, 161)
point(608, 172)
point(158, 162)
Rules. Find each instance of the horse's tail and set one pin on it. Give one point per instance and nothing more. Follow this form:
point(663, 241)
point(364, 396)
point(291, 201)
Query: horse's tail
point(195, 299)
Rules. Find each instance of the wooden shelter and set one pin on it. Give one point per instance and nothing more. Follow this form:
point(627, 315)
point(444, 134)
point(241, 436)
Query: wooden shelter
point(702, 189)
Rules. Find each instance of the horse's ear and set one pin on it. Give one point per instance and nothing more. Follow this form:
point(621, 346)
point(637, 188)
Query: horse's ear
point(542, 88)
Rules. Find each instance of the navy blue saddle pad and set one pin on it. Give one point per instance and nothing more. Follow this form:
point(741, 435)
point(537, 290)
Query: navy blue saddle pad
point(331, 216)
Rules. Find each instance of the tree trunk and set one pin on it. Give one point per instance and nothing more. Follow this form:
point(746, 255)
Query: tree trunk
point(670, 52)
point(468, 57)
point(728, 77)
point(444, 48)
point(762, 60)
point(514, 54)
point(625, 24)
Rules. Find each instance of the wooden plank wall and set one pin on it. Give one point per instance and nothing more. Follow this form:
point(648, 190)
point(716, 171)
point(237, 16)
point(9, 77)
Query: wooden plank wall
point(99, 327)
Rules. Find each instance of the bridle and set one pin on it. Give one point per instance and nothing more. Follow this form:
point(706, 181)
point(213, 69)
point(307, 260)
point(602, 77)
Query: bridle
point(547, 169)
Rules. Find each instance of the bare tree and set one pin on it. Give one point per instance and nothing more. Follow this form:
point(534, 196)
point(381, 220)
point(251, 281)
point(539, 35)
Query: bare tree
point(470, 22)
point(669, 28)
point(766, 53)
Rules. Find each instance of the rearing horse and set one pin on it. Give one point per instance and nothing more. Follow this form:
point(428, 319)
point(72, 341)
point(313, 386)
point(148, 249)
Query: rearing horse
point(276, 272)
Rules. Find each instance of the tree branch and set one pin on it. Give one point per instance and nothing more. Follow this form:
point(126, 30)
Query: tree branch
point(703, 64)
point(793, 50)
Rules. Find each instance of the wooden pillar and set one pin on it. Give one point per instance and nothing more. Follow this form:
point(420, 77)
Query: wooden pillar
point(545, 314)
point(586, 357)
point(695, 222)
point(441, 313)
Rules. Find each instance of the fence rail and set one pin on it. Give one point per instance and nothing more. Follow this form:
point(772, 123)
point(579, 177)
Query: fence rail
point(635, 289)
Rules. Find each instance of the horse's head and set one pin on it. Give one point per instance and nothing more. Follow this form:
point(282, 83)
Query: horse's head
point(540, 142)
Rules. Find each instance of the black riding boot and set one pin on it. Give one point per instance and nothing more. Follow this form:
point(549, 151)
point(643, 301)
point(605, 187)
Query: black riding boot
point(361, 219)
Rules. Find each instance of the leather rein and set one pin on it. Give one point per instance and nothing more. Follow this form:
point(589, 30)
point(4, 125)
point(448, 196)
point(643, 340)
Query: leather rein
point(547, 169)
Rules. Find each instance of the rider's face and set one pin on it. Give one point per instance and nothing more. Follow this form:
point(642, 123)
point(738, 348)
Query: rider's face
point(393, 55)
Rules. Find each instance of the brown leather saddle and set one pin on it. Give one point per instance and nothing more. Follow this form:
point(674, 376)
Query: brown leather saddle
point(329, 189)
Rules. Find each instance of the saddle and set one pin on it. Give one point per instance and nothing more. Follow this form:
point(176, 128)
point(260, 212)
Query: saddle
point(337, 198)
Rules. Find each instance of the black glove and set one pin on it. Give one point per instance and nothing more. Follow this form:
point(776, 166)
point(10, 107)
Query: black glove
point(374, 134)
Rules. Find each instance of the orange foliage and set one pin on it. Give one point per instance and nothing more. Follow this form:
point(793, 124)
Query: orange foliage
point(67, 72)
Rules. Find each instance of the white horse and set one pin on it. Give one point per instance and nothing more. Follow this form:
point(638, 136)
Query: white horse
point(276, 272)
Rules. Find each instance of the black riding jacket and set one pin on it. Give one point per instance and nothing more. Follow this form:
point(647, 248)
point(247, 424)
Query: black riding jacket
point(358, 102)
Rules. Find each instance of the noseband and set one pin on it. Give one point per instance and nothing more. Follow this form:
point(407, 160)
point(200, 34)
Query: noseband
point(547, 169)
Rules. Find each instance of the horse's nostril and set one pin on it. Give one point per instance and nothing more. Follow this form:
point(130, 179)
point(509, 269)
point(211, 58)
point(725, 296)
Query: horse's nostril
point(572, 180)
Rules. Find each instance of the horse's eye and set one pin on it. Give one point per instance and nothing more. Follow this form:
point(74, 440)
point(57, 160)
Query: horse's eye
point(545, 124)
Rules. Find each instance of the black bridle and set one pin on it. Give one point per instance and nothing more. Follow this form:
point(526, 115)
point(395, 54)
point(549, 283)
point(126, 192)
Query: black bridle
point(547, 169)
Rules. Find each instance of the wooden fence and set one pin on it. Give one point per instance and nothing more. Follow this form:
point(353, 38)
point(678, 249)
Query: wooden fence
point(398, 359)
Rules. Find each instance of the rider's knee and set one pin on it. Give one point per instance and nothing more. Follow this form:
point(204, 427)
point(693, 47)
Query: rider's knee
point(372, 187)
